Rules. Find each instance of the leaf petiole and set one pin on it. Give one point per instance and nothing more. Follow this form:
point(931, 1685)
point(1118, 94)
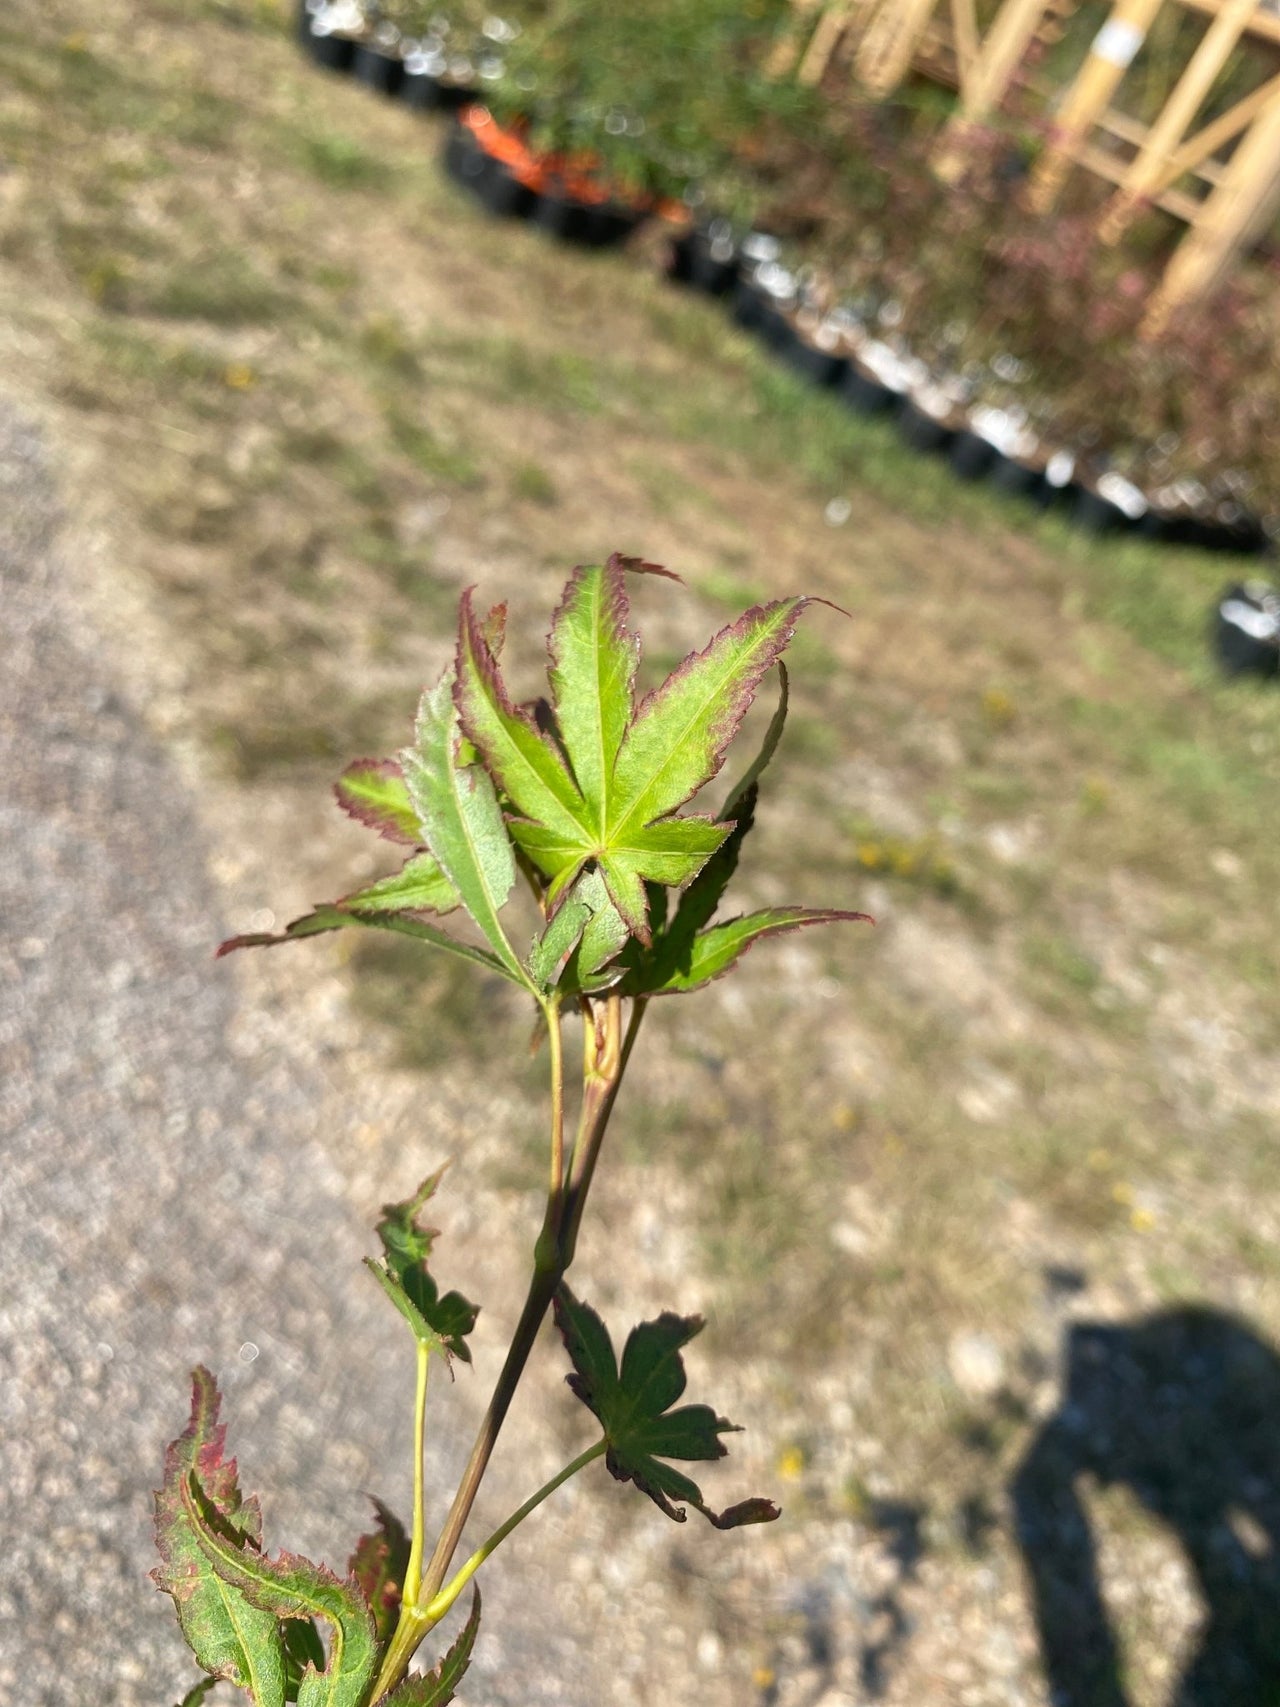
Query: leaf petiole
point(436, 1610)
point(413, 1571)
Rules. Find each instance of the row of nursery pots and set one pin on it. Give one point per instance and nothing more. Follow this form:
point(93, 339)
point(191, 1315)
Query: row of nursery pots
point(870, 370)
point(564, 195)
point(876, 374)
point(422, 72)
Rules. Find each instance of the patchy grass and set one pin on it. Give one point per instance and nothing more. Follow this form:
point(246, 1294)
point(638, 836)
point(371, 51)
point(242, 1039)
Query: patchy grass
point(322, 393)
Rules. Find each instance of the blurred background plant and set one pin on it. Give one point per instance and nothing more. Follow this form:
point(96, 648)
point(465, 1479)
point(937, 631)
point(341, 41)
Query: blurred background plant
point(665, 94)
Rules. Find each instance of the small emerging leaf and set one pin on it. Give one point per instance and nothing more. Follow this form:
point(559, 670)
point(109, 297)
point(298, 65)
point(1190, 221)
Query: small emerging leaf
point(633, 1404)
point(372, 791)
point(289, 1587)
point(603, 936)
point(436, 1687)
point(440, 1322)
point(587, 931)
point(378, 1565)
point(229, 1637)
point(558, 940)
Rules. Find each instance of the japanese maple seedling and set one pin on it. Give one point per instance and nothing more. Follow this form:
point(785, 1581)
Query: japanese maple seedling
point(580, 794)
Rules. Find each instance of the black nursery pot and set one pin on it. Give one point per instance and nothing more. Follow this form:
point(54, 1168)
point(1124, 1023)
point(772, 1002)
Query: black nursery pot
point(563, 217)
point(921, 430)
point(1183, 529)
point(1094, 514)
point(1021, 480)
point(748, 305)
point(972, 457)
point(381, 71)
point(679, 262)
point(464, 160)
point(1246, 535)
point(334, 52)
point(609, 223)
point(452, 97)
point(866, 394)
point(710, 270)
point(778, 331)
point(425, 92)
point(503, 194)
point(1237, 535)
point(1246, 639)
point(488, 179)
point(823, 368)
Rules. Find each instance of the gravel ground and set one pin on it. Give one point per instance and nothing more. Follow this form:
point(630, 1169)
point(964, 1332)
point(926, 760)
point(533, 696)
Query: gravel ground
point(137, 1170)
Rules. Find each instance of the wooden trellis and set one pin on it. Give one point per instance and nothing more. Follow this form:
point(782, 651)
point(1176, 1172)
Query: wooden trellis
point(985, 57)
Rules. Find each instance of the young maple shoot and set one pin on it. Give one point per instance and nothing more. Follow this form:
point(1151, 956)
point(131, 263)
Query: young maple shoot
point(580, 794)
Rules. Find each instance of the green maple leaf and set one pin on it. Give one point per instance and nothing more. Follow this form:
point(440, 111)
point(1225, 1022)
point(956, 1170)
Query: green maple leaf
point(229, 1637)
point(440, 1321)
point(287, 1587)
point(457, 808)
point(633, 1405)
point(580, 940)
point(374, 792)
point(582, 792)
point(606, 794)
point(683, 954)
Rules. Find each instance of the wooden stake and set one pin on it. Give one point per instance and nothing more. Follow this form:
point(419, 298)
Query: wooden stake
point(964, 25)
point(825, 40)
point(1207, 141)
point(1110, 56)
point(889, 44)
point(1232, 217)
point(999, 57)
point(1184, 103)
point(786, 50)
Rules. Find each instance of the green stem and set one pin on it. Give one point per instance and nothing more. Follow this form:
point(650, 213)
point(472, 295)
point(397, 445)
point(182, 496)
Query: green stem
point(413, 1572)
point(555, 1044)
point(454, 1587)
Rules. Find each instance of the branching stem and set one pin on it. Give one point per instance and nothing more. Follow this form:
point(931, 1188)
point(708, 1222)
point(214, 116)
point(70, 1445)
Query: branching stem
point(606, 1053)
point(454, 1587)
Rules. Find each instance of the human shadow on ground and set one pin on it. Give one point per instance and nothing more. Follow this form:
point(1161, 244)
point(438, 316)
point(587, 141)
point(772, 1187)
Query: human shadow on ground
point(1183, 1408)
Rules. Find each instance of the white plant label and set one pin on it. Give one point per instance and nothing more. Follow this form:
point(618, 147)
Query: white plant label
point(1117, 42)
